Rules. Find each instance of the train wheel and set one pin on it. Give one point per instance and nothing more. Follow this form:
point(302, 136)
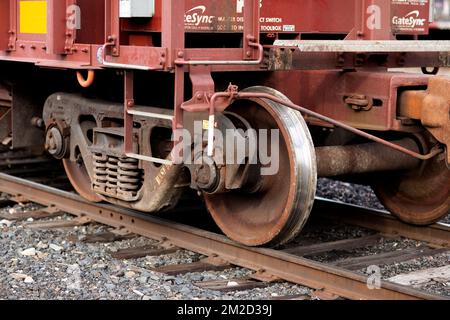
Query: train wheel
point(277, 213)
point(421, 197)
point(80, 180)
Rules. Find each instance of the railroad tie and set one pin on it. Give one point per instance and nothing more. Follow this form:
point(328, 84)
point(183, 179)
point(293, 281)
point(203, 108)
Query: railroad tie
point(107, 237)
point(45, 213)
point(141, 252)
point(387, 258)
point(60, 224)
point(199, 266)
point(347, 244)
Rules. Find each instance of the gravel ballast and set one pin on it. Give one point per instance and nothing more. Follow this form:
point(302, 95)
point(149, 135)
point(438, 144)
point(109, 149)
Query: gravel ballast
point(44, 264)
point(352, 193)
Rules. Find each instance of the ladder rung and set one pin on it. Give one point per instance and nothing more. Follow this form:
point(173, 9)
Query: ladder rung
point(149, 159)
point(150, 115)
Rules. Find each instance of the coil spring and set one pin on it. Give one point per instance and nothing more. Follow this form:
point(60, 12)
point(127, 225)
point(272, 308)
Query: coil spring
point(117, 177)
point(112, 168)
point(100, 170)
point(128, 175)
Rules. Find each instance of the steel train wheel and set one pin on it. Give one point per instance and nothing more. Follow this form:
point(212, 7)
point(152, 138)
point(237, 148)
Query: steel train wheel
point(419, 198)
point(277, 213)
point(80, 180)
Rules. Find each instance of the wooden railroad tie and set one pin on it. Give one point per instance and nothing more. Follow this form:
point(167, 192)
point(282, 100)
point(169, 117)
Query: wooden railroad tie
point(141, 252)
point(348, 244)
point(106, 237)
point(421, 277)
point(61, 224)
point(207, 264)
point(102, 237)
point(45, 213)
point(259, 279)
point(388, 258)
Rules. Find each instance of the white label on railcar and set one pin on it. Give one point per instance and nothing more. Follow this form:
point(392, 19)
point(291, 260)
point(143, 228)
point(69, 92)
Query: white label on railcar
point(289, 28)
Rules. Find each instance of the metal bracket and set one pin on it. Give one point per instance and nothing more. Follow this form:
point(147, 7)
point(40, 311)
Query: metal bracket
point(432, 108)
point(121, 65)
point(359, 102)
point(13, 27)
point(12, 40)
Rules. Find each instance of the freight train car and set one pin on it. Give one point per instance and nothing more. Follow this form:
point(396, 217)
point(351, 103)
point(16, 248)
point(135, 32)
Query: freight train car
point(245, 102)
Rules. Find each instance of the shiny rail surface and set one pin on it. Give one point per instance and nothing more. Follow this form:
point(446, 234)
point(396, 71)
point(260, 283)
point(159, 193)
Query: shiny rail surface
point(285, 266)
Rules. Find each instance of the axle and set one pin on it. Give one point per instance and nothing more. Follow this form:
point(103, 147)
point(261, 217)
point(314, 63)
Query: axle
point(336, 161)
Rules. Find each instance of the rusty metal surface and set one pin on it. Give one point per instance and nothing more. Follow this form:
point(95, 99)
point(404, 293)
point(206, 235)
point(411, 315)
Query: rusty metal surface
point(157, 42)
point(287, 267)
point(59, 38)
point(80, 180)
point(235, 95)
point(436, 112)
point(420, 197)
point(285, 58)
point(277, 212)
point(96, 157)
point(358, 46)
point(411, 103)
point(432, 108)
point(325, 92)
point(112, 26)
point(363, 158)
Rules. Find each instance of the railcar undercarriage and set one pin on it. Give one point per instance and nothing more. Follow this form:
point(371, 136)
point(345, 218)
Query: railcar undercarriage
point(250, 208)
point(245, 108)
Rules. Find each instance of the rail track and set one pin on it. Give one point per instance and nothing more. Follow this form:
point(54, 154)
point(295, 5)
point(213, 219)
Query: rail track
point(328, 281)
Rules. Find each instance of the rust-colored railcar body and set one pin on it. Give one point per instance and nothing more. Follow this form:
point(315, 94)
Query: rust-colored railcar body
point(104, 84)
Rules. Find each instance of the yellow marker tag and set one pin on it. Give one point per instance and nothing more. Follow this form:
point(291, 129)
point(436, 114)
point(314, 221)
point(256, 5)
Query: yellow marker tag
point(205, 125)
point(33, 17)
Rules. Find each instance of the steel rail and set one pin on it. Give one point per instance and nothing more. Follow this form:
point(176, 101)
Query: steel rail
point(282, 265)
point(383, 222)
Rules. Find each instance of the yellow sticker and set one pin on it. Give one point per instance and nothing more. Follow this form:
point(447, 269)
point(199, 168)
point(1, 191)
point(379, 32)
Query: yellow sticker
point(205, 125)
point(33, 17)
